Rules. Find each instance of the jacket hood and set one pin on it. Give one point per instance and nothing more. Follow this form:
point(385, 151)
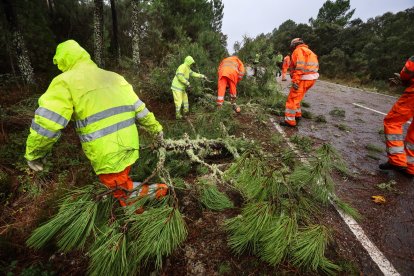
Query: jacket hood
point(69, 53)
point(189, 60)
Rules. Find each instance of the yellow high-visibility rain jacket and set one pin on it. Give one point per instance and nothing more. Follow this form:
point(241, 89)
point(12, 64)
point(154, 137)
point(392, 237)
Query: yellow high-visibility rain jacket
point(183, 74)
point(103, 106)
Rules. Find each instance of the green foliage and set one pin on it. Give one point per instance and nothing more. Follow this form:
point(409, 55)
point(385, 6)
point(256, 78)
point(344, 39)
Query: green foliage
point(212, 198)
point(315, 176)
point(374, 148)
point(178, 166)
point(337, 112)
point(309, 249)
point(246, 229)
point(303, 142)
point(109, 252)
point(343, 127)
point(277, 240)
point(334, 12)
point(156, 233)
point(320, 119)
point(77, 216)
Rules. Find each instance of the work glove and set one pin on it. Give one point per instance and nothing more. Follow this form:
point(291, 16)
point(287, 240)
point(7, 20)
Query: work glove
point(204, 77)
point(295, 86)
point(396, 80)
point(188, 88)
point(35, 165)
point(159, 139)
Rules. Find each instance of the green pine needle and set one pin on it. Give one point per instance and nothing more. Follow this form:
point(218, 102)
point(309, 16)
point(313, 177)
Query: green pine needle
point(156, 233)
point(213, 199)
point(74, 222)
point(309, 249)
point(246, 229)
point(277, 239)
point(108, 254)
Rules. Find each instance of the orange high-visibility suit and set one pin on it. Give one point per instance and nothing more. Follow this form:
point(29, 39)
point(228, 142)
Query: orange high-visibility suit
point(122, 183)
point(304, 66)
point(400, 153)
point(285, 66)
point(230, 72)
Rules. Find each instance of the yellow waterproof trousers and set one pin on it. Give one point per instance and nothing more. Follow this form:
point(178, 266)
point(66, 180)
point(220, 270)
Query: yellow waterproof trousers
point(180, 98)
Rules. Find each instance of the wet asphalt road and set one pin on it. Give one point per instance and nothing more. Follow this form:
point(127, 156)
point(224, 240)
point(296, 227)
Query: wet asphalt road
point(391, 225)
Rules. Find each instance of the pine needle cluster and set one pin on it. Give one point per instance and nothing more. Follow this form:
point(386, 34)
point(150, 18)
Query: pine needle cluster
point(73, 224)
point(278, 221)
point(118, 241)
point(212, 198)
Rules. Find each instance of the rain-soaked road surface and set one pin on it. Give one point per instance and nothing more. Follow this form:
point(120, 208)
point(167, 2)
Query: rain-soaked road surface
point(357, 137)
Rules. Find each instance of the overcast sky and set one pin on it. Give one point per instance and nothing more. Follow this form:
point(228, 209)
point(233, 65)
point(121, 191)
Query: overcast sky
point(253, 17)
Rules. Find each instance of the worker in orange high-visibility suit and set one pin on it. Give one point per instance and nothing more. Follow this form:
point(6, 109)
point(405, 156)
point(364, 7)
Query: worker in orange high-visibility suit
point(304, 73)
point(401, 152)
point(230, 72)
point(285, 66)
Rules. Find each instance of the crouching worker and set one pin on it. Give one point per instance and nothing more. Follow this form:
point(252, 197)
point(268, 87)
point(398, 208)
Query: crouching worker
point(231, 70)
point(181, 83)
point(104, 108)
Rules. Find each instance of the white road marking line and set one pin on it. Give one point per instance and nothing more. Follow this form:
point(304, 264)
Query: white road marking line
point(363, 106)
point(362, 90)
point(376, 111)
point(376, 255)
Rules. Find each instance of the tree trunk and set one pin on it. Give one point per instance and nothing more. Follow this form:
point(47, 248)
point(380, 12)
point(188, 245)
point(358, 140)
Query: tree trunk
point(115, 43)
point(18, 44)
point(98, 32)
point(135, 34)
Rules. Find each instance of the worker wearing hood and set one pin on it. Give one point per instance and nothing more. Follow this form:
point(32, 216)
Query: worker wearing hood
point(104, 109)
point(181, 83)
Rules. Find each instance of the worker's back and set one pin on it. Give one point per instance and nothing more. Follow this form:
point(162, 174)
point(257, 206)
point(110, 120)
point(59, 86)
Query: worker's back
point(232, 68)
point(102, 104)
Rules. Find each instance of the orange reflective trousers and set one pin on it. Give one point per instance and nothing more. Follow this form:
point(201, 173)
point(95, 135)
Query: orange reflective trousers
point(293, 109)
point(123, 183)
point(223, 83)
point(400, 153)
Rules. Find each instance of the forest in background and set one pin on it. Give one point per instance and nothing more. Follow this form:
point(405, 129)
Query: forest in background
point(156, 35)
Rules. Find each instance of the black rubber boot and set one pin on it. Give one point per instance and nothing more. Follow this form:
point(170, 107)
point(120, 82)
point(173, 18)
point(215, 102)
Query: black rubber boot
point(388, 166)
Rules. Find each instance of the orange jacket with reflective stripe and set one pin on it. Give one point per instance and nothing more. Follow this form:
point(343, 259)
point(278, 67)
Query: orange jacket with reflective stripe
point(407, 74)
point(304, 64)
point(286, 62)
point(232, 68)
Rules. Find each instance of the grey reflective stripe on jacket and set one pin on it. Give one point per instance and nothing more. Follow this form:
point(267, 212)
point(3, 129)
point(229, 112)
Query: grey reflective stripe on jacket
point(177, 88)
point(395, 150)
point(51, 115)
point(394, 137)
point(43, 131)
point(107, 130)
point(181, 74)
point(410, 159)
point(142, 113)
point(409, 146)
point(107, 113)
point(308, 63)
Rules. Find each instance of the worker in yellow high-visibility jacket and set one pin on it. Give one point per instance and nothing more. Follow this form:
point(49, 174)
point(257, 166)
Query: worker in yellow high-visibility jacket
point(104, 108)
point(181, 83)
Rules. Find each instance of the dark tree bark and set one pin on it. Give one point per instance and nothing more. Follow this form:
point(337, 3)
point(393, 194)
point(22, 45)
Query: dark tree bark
point(115, 42)
point(18, 45)
point(98, 32)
